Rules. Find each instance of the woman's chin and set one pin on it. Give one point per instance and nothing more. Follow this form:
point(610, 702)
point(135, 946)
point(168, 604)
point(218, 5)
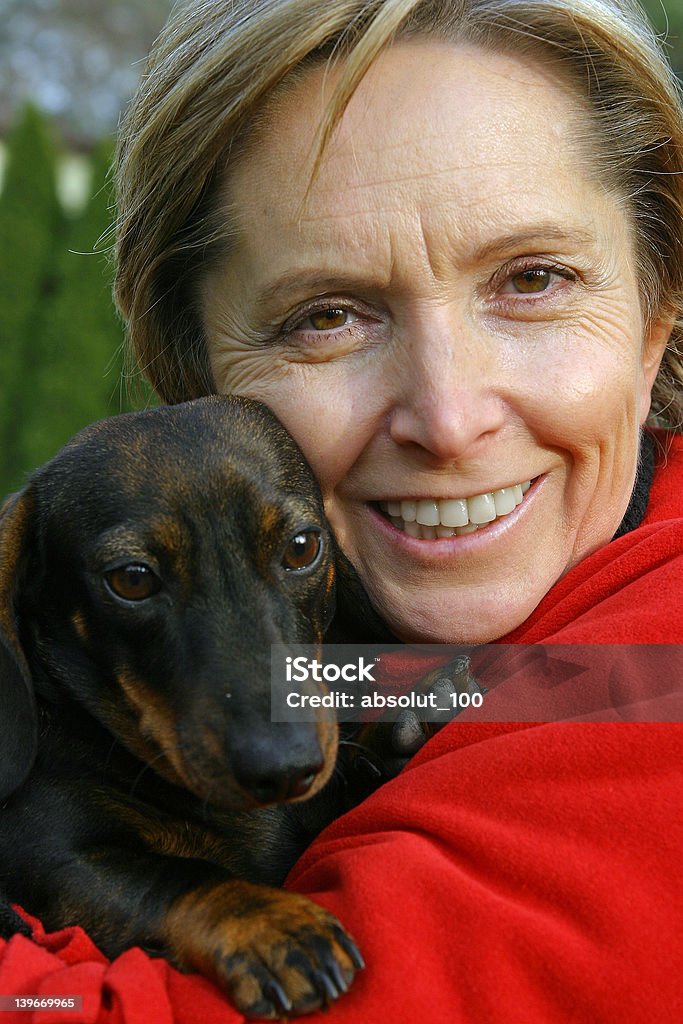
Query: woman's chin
point(457, 617)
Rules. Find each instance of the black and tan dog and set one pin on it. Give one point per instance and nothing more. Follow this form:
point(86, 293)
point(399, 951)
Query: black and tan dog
point(144, 573)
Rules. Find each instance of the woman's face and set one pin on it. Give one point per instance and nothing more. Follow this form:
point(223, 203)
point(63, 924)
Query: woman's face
point(451, 313)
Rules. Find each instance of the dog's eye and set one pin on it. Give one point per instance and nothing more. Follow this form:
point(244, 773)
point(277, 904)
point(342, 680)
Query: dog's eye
point(302, 551)
point(133, 582)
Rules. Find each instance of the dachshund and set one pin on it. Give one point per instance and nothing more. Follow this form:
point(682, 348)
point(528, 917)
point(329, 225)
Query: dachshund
point(146, 794)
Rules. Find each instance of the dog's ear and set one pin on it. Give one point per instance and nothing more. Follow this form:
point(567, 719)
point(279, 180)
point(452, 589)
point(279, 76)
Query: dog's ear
point(18, 719)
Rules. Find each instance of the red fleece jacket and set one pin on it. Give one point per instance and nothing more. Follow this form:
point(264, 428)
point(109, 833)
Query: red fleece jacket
point(511, 873)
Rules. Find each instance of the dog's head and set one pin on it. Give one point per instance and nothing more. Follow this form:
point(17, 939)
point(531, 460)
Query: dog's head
point(145, 572)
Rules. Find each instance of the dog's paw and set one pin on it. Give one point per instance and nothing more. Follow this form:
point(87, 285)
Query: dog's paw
point(276, 953)
point(383, 748)
point(444, 688)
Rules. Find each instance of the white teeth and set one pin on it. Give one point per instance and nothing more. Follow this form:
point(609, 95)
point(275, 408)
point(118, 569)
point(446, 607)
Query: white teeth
point(428, 513)
point(409, 511)
point(482, 509)
point(454, 513)
point(412, 529)
point(505, 501)
point(470, 528)
point(429, 519)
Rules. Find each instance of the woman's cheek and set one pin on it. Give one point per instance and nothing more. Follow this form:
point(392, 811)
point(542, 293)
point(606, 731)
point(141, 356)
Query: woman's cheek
point(238, 369)
point(583, 386)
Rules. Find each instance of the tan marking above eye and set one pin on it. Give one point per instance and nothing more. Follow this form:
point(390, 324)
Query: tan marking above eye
point(302, 550)
point(133, 582)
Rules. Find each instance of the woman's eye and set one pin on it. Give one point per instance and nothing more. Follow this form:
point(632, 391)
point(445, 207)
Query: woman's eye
point(319, 332)
point(133, 582)
point(534, 281)
point(328, 319)
point(530, 281)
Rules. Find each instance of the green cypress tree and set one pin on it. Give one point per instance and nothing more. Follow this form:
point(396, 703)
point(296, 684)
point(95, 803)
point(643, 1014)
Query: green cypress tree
point(80, 371)
point(31, 225)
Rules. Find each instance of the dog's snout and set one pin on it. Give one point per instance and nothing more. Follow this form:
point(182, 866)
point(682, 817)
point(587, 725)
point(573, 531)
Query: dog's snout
point(268, 786)
point(279, 761)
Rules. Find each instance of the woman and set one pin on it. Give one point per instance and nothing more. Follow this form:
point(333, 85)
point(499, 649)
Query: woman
point(391, 331)
point(442, 241)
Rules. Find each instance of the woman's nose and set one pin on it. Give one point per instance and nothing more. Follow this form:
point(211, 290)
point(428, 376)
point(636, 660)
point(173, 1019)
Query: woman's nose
point(447, 398)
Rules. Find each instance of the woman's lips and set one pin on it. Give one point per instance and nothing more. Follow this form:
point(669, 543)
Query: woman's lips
point(437, 519)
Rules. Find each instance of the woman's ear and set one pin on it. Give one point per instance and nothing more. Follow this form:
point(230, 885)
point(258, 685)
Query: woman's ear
point(655, 341)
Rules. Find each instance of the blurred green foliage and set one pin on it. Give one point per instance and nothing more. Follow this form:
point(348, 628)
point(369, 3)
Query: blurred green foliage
point(60, 337)
point(31, 227)
point(667, 18)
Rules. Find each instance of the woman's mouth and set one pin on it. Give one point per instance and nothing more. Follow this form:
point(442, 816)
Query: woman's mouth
point(434, 518)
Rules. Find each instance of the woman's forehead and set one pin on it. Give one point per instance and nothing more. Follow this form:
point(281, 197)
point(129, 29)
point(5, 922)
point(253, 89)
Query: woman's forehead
point(478, 145)
point(450, 105)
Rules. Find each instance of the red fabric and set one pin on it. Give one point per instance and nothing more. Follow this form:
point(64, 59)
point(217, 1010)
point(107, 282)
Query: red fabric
point(512, 872)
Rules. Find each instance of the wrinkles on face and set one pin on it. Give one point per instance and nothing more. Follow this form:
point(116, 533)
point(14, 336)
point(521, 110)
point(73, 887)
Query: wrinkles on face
point(451, 308)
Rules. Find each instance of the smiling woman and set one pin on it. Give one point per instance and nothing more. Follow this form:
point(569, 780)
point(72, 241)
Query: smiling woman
point(441, 239)
point(435, 262)
point(446, 312)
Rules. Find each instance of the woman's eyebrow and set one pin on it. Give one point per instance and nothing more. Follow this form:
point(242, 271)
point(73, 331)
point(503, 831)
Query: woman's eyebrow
point(538, 236)
point(311, 281)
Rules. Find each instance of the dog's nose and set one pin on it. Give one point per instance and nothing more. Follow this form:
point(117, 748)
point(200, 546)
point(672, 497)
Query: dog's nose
point(277, 786)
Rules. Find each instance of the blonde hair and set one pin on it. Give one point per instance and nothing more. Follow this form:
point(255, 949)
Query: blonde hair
point(218, 61)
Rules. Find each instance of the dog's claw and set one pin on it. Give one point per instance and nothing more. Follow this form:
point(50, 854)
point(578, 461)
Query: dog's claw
point(407, 736)
point(324, 984)
point(274, 992)
point(329, 964)
point(349, 947)
point(336, 972)
point(443, 689)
